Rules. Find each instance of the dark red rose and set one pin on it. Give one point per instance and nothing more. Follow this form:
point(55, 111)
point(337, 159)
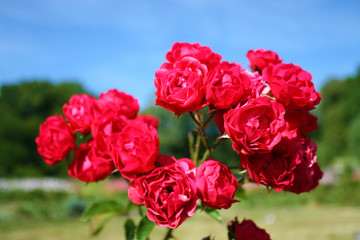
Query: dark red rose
point(276, 168)
point(228, 85)
point(150, 120)
point(55, 140)
point(308, 173)
point(180, 87)
point(119, 102)
point(89, 165)
point(168, 192)
point(216, 185)
point(260, 59)
point(246, 230)
point(299, 123)
point(219, 119)
point(292, 86)
point(81, 111)
point(256, 126)
point(135, 149)
point(202, 53)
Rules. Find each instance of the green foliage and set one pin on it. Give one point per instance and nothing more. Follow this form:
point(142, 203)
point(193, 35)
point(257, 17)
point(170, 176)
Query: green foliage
point(144, 229)
point(23, 108)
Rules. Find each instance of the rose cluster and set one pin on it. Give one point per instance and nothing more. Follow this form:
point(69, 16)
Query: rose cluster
point(119, 138)
point(114, 135)
point(265, 112)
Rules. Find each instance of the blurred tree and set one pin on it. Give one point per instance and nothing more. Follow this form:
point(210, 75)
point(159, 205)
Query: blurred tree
point(23, 108)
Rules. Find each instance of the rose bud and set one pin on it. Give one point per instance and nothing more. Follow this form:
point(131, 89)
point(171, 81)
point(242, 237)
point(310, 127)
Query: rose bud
point(292, 86)
point(89, 164)
point(246, 230)
point(168, 192)
point(216, 185)
point(81, 111)
point(119, 102)
point(256, 126)
point(260, 59)
point(55, 140)
point(135, 149)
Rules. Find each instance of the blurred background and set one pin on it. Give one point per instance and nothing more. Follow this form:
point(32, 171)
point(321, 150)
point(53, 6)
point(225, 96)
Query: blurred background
point(52, 49)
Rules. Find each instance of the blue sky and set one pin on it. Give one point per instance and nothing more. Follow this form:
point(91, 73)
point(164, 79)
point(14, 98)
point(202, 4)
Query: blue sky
point(119, 44)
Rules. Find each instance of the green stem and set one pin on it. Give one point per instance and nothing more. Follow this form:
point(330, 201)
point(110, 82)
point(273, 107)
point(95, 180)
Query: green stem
point(169, 234)
point(197, 149)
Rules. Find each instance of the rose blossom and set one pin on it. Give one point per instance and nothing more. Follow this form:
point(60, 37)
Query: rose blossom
point(299, 123)
point(135, 149)
point(292, 86)
point(256, 126)
point(202, 53)
point(55, 140)
point(227, 85)
point(81, 111)
point(89, 165)
point(150, 120)
point(246, 230)
point(260, 59)
point(308, 173)
point(276, 168)
point(119, 102)
point(216, 185)
point(180, 87)
point(168, 192)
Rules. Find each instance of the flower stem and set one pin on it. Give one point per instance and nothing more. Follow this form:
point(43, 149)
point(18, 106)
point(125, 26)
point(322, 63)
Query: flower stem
point(169, 234)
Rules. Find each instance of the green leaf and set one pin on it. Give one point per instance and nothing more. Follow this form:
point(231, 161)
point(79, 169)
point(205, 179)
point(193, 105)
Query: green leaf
point(144, 228)
point(130, 229)
point(102, 207)
point(213, 213)
point(98, 223)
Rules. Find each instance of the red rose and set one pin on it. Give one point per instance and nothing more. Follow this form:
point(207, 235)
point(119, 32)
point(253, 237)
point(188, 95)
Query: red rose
point(150, 120)
point(276, 168)
point(246, 230)
point(135, 149)
point(260, 59)
point(292, 86)
point(228, 85)
point(216, 185)
point(204, 54)
point(89, 165)
point(119, 102)
point(256, 126)
point(81, 111)
point(55, 140)
point(104, 126)
point(308, 173)
point(180, 87)
point(168, 192)
point(299, 123)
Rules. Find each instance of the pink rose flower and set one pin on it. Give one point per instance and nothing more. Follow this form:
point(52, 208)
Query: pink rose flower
point(228, 85)
point(260, 59)
point(292, 86)
point(299, 123)
point(135, 149)
point(180, 87)
point(55, 140)
point(308, 173)
point(89, 165)
point(150, 120)
point(81, 111)
point(202, 53)
point(256, 126)
point(119, 102)
point(216, 185)
point(276, 168)
point(168, 192)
